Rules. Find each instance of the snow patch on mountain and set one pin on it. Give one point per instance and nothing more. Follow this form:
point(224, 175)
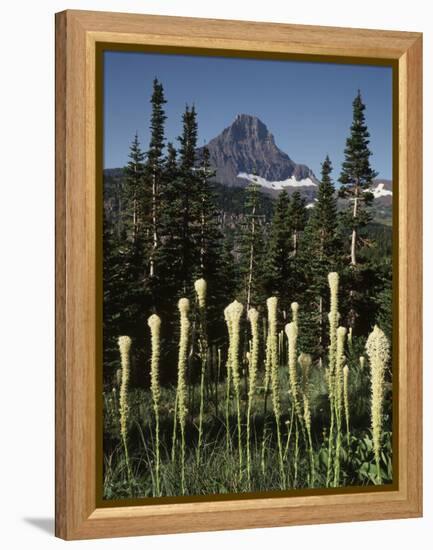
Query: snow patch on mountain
point(380, 191)
point(278, 185)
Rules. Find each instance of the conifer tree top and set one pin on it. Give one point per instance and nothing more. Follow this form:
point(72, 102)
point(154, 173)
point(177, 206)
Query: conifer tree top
point(356, 169)
point(188, 139)
point(324, 214)
point(157, 120)
point(298, 212)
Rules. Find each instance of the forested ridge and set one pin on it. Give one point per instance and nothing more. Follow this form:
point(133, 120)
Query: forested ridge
point(169, 222)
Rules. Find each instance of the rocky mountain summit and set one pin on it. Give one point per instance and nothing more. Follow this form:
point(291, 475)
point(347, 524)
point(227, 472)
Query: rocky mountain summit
point(247, 148)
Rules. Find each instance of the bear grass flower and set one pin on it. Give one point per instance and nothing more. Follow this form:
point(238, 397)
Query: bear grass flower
point(333, 316)
point(272, 350)
point(124, 343)
point(292, 338)
point(183, 306)
point(378, 351)
point(338, 398)
point(253, 361)
point(346, 401)
point(233, 314)
point(154, 323)
point(305, 363)
point(200, 287)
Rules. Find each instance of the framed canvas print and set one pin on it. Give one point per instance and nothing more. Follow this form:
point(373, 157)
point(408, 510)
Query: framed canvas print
point(238, 274)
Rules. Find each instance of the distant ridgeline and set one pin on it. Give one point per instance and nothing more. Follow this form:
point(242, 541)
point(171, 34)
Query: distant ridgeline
point(246, 151)
point(231, 199)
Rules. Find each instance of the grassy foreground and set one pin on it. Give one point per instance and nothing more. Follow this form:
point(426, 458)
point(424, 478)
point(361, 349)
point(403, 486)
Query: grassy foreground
point(218, 470)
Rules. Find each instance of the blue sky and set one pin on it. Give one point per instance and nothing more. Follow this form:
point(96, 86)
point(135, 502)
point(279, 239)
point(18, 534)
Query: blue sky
point(307, 106)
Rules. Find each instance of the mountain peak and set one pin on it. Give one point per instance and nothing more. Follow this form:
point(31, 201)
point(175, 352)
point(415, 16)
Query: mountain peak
point(245, 118)
point(246, 127)
point(247, 147)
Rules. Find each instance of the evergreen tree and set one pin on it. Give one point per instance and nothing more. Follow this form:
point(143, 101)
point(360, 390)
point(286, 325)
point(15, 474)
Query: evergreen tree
point(166, 252)
point(168, 188)
point(229, 273)
point(323, 219)
point(170, 169)
point(215, 262)
point(180, 250)
point(298, 218)
point(124, 308)
point(133, 188)
point(209, 232)
point(154, 168)
point(321, 249)
point(211, 237)
point(132, 252)
point(189, 201)
point(383, 300)
point(279, 265)
point(114, 293)
point(356, 178)
point(251, 249)
point(357, 175)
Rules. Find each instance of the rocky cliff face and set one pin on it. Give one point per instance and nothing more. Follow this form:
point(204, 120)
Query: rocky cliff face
point(247, 147)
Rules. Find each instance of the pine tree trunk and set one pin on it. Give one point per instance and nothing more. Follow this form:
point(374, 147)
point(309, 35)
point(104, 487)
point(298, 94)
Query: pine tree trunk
point(154, 227)
point(352, 248)
point(185, 241)
point(295, 242)
point(134, 219)
point(202, 231)
point(251, 265)
point(354, 233)
point(351, 321)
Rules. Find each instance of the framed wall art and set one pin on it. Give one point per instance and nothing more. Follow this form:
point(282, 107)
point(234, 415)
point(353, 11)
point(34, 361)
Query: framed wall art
point(238, 274)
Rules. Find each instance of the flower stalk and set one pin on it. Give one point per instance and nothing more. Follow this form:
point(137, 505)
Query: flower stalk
point(378, 350)
point(124, 343)
point(234, 314)
point(333, 281)
point(183, 306)
point(200, 288)
point(253, 317)
point(338, 399)
point(272, 350)
point(154, 323)
point(305, 363)
point(346, 402)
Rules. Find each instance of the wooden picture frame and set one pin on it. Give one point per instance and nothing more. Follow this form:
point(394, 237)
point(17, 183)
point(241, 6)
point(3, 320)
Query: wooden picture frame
point(78, 34)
